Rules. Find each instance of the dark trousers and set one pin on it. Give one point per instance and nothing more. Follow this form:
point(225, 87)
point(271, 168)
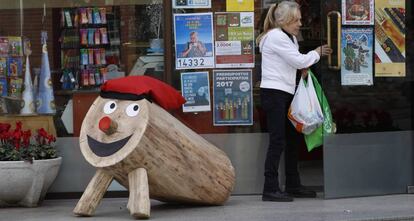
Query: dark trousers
point(282, 137)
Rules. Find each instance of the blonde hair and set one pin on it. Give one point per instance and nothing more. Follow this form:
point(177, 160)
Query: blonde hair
point(279, 14)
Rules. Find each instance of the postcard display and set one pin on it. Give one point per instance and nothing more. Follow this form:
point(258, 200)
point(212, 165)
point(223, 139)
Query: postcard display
point(370, 27)
point(357, 42)
point(390, 38)
point(214, 41)
point(11, 66)
point(86, 47)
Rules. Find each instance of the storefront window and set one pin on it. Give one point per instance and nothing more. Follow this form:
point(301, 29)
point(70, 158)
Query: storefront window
point(88, 42)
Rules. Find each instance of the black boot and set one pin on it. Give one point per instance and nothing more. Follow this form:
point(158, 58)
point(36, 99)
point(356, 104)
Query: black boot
point(277, 196)
point(301, 192)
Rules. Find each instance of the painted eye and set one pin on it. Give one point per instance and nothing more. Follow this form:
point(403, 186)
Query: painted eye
point(110, 107)
point(132, 110)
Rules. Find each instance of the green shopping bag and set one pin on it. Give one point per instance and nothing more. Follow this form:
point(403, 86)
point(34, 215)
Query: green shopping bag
point(315, 139)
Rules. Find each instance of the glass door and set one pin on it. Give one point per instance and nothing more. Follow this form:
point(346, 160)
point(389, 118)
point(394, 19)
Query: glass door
point(369, 86)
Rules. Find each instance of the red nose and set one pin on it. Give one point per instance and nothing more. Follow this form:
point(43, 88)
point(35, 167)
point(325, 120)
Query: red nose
point(107, 125)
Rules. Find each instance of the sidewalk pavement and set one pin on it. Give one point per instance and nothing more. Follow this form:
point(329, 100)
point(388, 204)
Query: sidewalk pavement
point(238, 208)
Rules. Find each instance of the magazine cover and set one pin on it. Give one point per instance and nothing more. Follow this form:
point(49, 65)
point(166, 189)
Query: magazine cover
point(390, 31)
point(195, 88)
point(15, 66)
point(4, 46)
point(232, 97)
point(191, 3)
point(193, 34)
point(15, 87)
point(3, 87)
point(357, 60)
point(15, 46)
point(3, 66)
point(358, 12)
point(234, 42)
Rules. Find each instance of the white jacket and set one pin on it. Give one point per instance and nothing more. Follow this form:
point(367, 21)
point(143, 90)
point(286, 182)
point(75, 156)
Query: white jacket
point(281, 59)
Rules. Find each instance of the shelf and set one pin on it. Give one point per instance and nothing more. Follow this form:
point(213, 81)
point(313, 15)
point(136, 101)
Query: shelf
point(86, 46)
point(77, 91)
point(77, 56)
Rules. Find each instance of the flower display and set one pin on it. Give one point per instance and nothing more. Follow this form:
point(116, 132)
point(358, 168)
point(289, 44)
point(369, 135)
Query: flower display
point(19, 144)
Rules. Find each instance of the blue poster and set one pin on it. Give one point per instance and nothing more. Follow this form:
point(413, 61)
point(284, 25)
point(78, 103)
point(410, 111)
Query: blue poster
point(357, 57)
point(195, 88)
point(233, 98)
point(194, 46)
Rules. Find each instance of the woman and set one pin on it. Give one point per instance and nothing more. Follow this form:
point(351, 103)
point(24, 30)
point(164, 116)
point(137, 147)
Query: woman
point(280, 61)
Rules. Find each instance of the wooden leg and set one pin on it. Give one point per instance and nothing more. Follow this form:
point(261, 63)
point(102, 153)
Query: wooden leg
point(93, 194)
point(139, 202)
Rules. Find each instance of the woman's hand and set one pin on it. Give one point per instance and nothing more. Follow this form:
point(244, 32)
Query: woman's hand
point(304, 73)
point(323, 50)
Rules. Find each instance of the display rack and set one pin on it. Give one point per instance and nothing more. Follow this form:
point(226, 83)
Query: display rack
point(89, 43)
point(11, 66)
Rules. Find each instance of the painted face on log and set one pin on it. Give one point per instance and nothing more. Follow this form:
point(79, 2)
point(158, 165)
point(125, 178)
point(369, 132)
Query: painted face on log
point(110, 126)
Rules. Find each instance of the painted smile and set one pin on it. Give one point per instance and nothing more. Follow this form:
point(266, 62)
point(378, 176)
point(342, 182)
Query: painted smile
point(106, 149)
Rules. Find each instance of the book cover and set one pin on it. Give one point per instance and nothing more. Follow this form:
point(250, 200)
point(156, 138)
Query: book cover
point(3, 67)
point(15, 46)
point(15, 66)
point(3, 87)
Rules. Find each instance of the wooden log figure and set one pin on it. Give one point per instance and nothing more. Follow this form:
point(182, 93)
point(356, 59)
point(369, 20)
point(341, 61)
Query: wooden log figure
point(129, 136)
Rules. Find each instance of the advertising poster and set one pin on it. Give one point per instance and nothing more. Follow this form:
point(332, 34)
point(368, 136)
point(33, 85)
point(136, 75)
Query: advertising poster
point(191, 3)
point(357, 60)
point(239, 5)
point(390, 38)
point(193, 34)
point(234, 42)
point(232, 97)
point(358, 12)
point(195, 88)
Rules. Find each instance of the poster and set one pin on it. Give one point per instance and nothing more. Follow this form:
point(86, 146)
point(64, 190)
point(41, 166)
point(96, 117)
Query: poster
point(357, 60)
point(358, 12)
point(234, 40)
point(191, 3)
point(193, 33)
point(195, 88)
point(232, 97)
point(239, 5)
point(390, 28)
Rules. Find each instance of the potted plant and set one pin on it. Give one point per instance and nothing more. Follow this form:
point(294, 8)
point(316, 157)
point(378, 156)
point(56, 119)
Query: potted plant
point(28, 165)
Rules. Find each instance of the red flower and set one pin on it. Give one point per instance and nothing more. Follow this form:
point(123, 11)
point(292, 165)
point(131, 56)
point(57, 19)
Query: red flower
point(4, 127)
point(43, 137)
point(50, 139)
point(12, 140)
point(42, 132)
point(17, 135)
point(26, 137)
point(19, 125)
